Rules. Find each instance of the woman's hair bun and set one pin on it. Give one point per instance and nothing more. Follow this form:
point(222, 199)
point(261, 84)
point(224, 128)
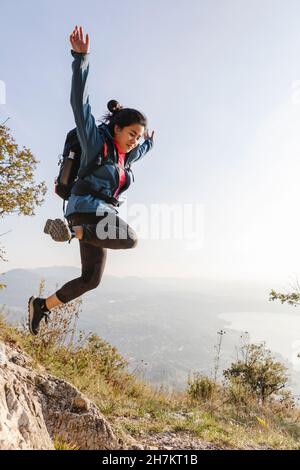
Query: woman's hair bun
point(114, 106)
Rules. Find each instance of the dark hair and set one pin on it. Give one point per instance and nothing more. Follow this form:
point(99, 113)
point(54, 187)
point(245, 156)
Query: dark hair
point(122, 117)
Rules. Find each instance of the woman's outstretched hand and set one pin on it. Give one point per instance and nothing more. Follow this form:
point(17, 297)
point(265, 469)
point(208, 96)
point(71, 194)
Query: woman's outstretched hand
point(147, 135)
point(77, 41)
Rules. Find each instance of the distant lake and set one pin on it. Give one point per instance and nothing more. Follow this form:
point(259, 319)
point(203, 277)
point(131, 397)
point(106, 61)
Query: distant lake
point(280, 331)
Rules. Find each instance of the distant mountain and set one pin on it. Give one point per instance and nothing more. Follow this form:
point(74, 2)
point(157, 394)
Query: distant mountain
point(165, 327)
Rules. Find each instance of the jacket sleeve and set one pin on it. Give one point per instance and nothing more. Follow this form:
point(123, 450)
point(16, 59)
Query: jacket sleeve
point(142, 149)
point(91, 140)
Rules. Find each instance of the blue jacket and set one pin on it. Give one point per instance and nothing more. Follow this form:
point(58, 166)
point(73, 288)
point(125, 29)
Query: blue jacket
point(106, 177)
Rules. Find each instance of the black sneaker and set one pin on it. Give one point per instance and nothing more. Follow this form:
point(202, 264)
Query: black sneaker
point(58, 230)
point(35, 314)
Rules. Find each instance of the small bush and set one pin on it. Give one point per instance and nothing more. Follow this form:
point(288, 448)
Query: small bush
point(238, 393)
point(258, 373)
point(201, 387)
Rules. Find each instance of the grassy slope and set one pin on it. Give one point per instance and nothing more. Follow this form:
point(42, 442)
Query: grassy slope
point(134, 407)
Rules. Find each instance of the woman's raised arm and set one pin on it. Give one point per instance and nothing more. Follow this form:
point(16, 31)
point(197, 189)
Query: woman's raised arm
point(89, 136)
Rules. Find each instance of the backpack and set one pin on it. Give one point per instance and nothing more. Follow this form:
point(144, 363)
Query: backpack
point(69, 164)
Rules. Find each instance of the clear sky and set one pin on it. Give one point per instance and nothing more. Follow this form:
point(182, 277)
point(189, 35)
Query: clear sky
point(215, 79)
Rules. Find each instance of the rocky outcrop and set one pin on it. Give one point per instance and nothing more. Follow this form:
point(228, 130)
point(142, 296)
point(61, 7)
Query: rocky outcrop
point(36, 408)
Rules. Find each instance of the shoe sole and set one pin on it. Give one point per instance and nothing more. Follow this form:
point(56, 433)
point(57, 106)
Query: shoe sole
point(30, 314)
point(58, 230)
point(48, 226)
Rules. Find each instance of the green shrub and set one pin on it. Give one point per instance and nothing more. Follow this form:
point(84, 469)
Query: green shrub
point(257, 372)
point(201, 387)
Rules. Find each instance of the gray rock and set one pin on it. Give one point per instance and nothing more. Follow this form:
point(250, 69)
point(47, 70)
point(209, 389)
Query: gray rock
point(35, 408)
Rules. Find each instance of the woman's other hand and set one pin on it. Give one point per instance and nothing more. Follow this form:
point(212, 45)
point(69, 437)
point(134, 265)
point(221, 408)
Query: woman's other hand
point(77, 41)
point(147, 135)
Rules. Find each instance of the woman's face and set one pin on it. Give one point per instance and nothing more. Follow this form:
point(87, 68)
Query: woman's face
point(128, 137)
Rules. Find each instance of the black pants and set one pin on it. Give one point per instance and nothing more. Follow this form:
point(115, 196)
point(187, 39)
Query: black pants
point(93, 250)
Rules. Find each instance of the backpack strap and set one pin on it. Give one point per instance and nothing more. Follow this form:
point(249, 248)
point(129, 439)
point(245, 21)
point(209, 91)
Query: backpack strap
point(82, 188)
point(108, 152)
point(91, 167)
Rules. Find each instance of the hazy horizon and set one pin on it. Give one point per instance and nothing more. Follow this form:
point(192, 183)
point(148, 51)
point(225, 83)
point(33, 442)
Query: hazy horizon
point(172, 326)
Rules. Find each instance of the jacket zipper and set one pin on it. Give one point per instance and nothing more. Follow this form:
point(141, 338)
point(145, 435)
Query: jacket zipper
point(126, 167)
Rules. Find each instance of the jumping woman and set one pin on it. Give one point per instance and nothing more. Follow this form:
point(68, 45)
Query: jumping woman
point(94, 198)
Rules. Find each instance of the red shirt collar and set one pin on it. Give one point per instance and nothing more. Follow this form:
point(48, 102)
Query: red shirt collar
point(118, 147)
